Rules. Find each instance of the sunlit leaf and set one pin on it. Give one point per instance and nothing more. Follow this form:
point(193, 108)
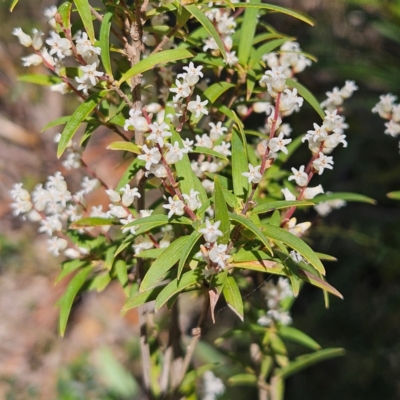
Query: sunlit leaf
point(125, 146)
point(277, 205)
point(187, 249)
point(233, 296)
point(249, 26)
point(221, 213)
point(91, 222)
point(294, 335)
point(83, 8)
point(344, 196)
point(105, 41)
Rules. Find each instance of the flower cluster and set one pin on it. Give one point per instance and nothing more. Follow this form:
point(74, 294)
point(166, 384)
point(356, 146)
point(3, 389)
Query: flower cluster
point(274, 295)
point(389, 110)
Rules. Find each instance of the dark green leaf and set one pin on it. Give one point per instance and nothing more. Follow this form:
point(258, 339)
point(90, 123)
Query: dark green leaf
point(239, 165)
point(233, 296)
point(135, 166)
point(294, 335)
point(276, 205)
point(221, 212)
point(243, 379)
point(105, 41)
point(248, 29)
point(192, 240)
point(83, 8)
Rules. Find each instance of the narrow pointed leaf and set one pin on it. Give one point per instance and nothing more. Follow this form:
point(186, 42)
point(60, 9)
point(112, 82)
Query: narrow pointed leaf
point(307, 95)
point(83, 8)
point(239, 165)
point(267, 266)
point(56, 122)
point(176, 286)
point(308, 360)
point(213, 92)
point(189, 245)
point(251, 226)
point(45, 80)
point(205, 150)
point(153, 60)
point(82, 112)
point(168, 258)
point(208, 26)
point(153, 221)
point(316, 281)
point(249, 26)
point(344, 196)
point(141, 298)
point(130, 173)
point(276, 233)
point(125, 146)
point(233, 296)
point(221, 213)
point(243, 379)
point(91, 222)
point(69, 296)
point(271, 7)
point(394, 195)
point(105, 41)
point(277, 205)
point(266, 49)
point(294, 335)
point(13, 4)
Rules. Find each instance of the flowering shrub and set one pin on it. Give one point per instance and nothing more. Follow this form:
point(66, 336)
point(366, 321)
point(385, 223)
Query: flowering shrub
point(219, 218)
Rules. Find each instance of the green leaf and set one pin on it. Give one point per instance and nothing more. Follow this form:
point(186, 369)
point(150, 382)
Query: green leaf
point(69, 266)
point(294, 335)
point(90, 222)
point(276, 205)
point(248, 30)
point(150, 254)
point(266, 49)
point(209, 27)
point(13, 4)
point(209, 60)
point(176, 286)
point(233, 296)
point(239, 165)
point(135, 166)
point(148, 223)
point(190, 243)
point(394, 195)
point(221, 212)
point(82, 112)
point(251, 227)
point(243, 379)
point(83, 8)
point(316, 281)
point(46, 80)
point(213, 92)
point(270, 7)
point(56, 122)
point(344, 196)
point(125, 146)
point(105, 41)
point(250, 83)
point(153, 60)
point(307, 95)
point(308, 360)
point(65, 11)
point(205, 150)
point(325, 257)
point(141, 298)
point(168, 258)
point(295, 243)
point(69, 296)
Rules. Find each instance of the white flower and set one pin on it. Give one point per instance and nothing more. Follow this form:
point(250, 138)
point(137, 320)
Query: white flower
point(322, 162)
point(223, 148)
point(37, 41)
point(288, 195)
point(145, 213)
point(88, 185)
point(290, 102)
point(175, 206)
point(211, 231)
point(56, 244)
point(150, 156)
point(192, 199)
point(279, 143)
point(142, 243)
point(23, 38)
point(231, 58)
point(197, 107)
point(325, 207)
point(174, 153)
point(296, 257)
point(193, 74)
point(118, 211)
point(187, 144)
point(21, 206)
point(275, 80)
point(136, 120)
point(392, 128)
point(90, 73)
point(182, 90)
point(129, 195)
point(84, 45)
point(19, 193)
point(218, 255)
point(130, 229)
point(348, 89)
point(166, 239)
point(33, 59)
point(204, 141)
point(208, 185)
point(61, 47)
point(217, 130)
point(212, 386)
point(50, 224)
point(114, 196)
point(330, 120)
point(158, 170)
point(207, 272)
point(299, 176)
point(297, 229)
point(253, 175)
point(159, 132)
point(319, 134)
point(311, 192)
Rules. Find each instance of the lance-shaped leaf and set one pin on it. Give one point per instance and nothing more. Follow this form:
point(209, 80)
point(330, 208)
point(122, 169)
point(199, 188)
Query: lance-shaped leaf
point(221, 212)
point(56, 122)
point(393, 195)
point(270, 7)
point(344, 196)
point(141, 298)
point(125, 146)
point(251, 226)
point(266, 49)
point(91, 222)
point(307, 95)
point(243, 379)
point(249, 26)
point(205, 150)
point(151, 61)
point(150, 254)
point(70, 266)
point(277, 205)
point(208, 26)
point(176, 286)
point(187, 249)
point(233, 296)
point(316, 281)
point(83, 8)
point(239, 166)
point(105, 41)
point(69, 296)
point(65, 12)
point(217, 284)
point(267, 266)
point(45, 80)
point(168, 258)
point(13, 4)
point(276, 233)
point(213, 92)
point(308, 360)
point(82, 112)
point(294, 335)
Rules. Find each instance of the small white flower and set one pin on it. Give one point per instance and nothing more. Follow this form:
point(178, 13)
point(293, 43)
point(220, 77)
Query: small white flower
point(175, 206)
point(174, 153)
point(217, 130)
point(37, 41)
point(204, 141)
point(61, 47)
point(130, 229)
point(299, 176)
point(218, 255)
point(142, 243)
point(193, 74)
point(197, 107)
point(279, 143)
point(90, 73)
point(223, 148)
point(150, 156)
point(211, 231)
point(311, 192)
point(231, 58)
point(158, 170)
point(322, 162)
point(182, 90)
point(288, 195)
point(23, 38)
point(348, 89)
point(192, 199)
point(88, 185)
point(50, 224)
point(319, 134)
point(129, 195)
point(118, 211)
point(275, 80)
point(56, 244)
point(253, 175)
point(33, 59)
point(159, 132)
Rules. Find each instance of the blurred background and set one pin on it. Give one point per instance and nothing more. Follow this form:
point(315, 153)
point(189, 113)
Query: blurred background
point(357, 40)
